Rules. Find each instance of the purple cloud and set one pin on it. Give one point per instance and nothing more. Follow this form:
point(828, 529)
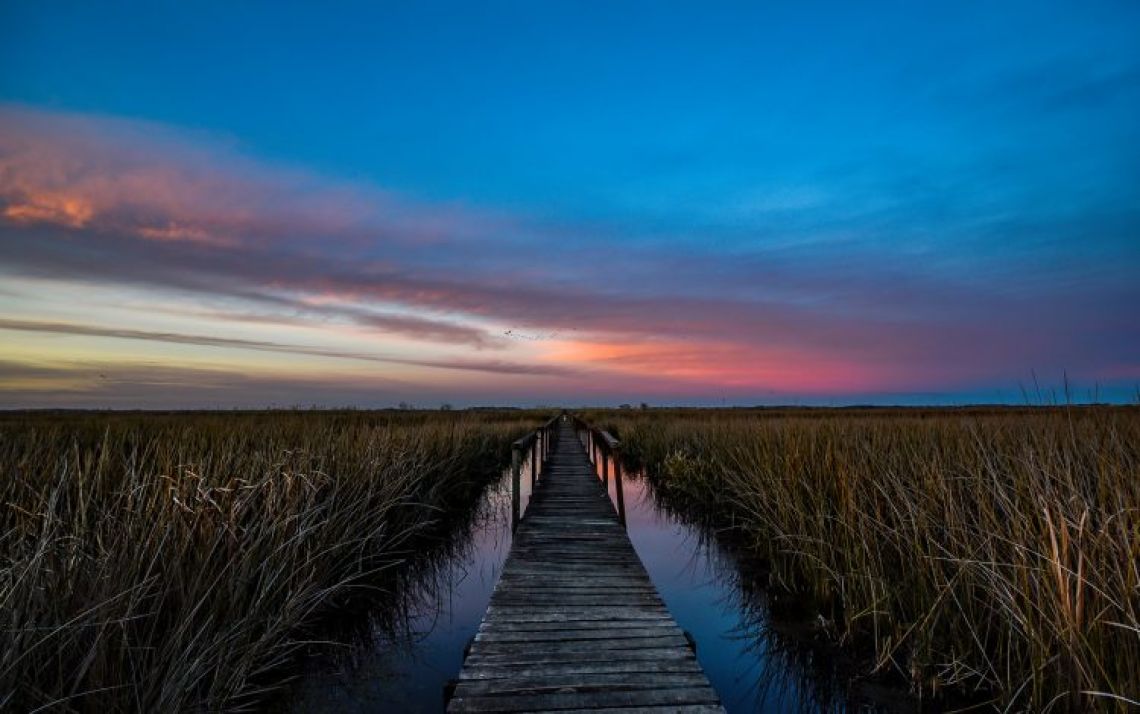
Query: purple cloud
point(107, 201)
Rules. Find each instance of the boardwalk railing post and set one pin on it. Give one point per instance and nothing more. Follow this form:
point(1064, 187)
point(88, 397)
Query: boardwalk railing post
point(618, 485)
point(533, 462)
point(602, 449)
point(515, 495)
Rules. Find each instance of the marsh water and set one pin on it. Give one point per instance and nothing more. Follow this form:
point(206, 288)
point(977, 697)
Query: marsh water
point(699, 579)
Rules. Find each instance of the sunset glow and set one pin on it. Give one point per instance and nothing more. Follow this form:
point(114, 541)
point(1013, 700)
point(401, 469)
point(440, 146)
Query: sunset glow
point(472, 214)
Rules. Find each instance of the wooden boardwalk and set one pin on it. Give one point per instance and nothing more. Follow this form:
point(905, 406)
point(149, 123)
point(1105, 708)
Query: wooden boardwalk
point(574, 623)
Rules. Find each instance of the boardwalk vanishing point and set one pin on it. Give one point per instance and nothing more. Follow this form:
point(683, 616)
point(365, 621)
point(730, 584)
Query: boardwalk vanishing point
point(574, 623)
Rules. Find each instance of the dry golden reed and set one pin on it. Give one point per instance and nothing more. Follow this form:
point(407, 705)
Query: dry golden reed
point(176, 562)
point(991, 553)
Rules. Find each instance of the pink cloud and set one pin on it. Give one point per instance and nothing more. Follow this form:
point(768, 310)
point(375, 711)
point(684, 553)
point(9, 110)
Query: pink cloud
point(144, 180)
point(108, 200)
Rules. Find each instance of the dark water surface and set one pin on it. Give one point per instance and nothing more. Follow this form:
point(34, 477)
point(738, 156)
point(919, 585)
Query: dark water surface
point(697, 578)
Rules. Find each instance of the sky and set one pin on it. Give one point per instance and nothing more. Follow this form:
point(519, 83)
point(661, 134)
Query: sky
point(275, 204)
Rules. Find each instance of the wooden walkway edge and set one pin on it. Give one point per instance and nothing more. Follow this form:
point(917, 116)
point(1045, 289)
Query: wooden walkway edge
point(574, 623)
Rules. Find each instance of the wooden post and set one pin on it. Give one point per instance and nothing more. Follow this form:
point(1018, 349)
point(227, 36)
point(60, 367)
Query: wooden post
point(515, 496)
point(533, 461)
point(617, 486)
point(606, 473)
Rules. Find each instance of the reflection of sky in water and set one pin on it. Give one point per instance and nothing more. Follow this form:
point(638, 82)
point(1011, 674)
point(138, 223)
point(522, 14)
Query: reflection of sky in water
point(409, 674)
point(697, 582)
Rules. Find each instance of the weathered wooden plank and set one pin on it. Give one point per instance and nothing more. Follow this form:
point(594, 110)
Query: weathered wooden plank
point(590, 625)
point(615, 633)
point(558, 613)
point(553, 577)
point(658, 654)
point(599, 647)
point(585, 599)
point(501, 671)
point(580, 681)
point(584, 700)
point(625, 592)
point(664, 709)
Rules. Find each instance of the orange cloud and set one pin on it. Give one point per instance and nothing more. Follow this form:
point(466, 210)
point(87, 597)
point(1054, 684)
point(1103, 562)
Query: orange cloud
point(724, 365)
point(49, 207)
point(174, 231)
point(139, 179)
point(127, 178)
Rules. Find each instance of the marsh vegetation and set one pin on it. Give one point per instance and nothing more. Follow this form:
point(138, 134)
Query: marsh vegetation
point(172, 562)
point(984, 557)
point(976, 556)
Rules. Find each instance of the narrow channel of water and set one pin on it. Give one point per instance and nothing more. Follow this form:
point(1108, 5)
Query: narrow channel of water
point(697, 578)
point(408, 670)
point(751, 668)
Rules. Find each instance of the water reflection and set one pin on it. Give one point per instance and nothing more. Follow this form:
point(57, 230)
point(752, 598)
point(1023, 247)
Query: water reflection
point(405, 665)
point(754, 665)
point(702, 586)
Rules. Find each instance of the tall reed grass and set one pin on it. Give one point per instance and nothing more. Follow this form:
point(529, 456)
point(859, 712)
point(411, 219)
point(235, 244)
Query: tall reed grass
point(177, 562)
point(991, 554)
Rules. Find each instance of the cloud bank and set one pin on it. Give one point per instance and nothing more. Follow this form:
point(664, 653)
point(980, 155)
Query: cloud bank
point(102, 201)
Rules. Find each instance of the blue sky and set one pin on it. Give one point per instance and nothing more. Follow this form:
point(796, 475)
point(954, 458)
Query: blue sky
point(795, 201)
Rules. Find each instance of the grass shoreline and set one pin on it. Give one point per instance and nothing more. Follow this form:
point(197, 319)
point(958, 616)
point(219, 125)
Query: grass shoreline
point(985, 554)
point(173, 562)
